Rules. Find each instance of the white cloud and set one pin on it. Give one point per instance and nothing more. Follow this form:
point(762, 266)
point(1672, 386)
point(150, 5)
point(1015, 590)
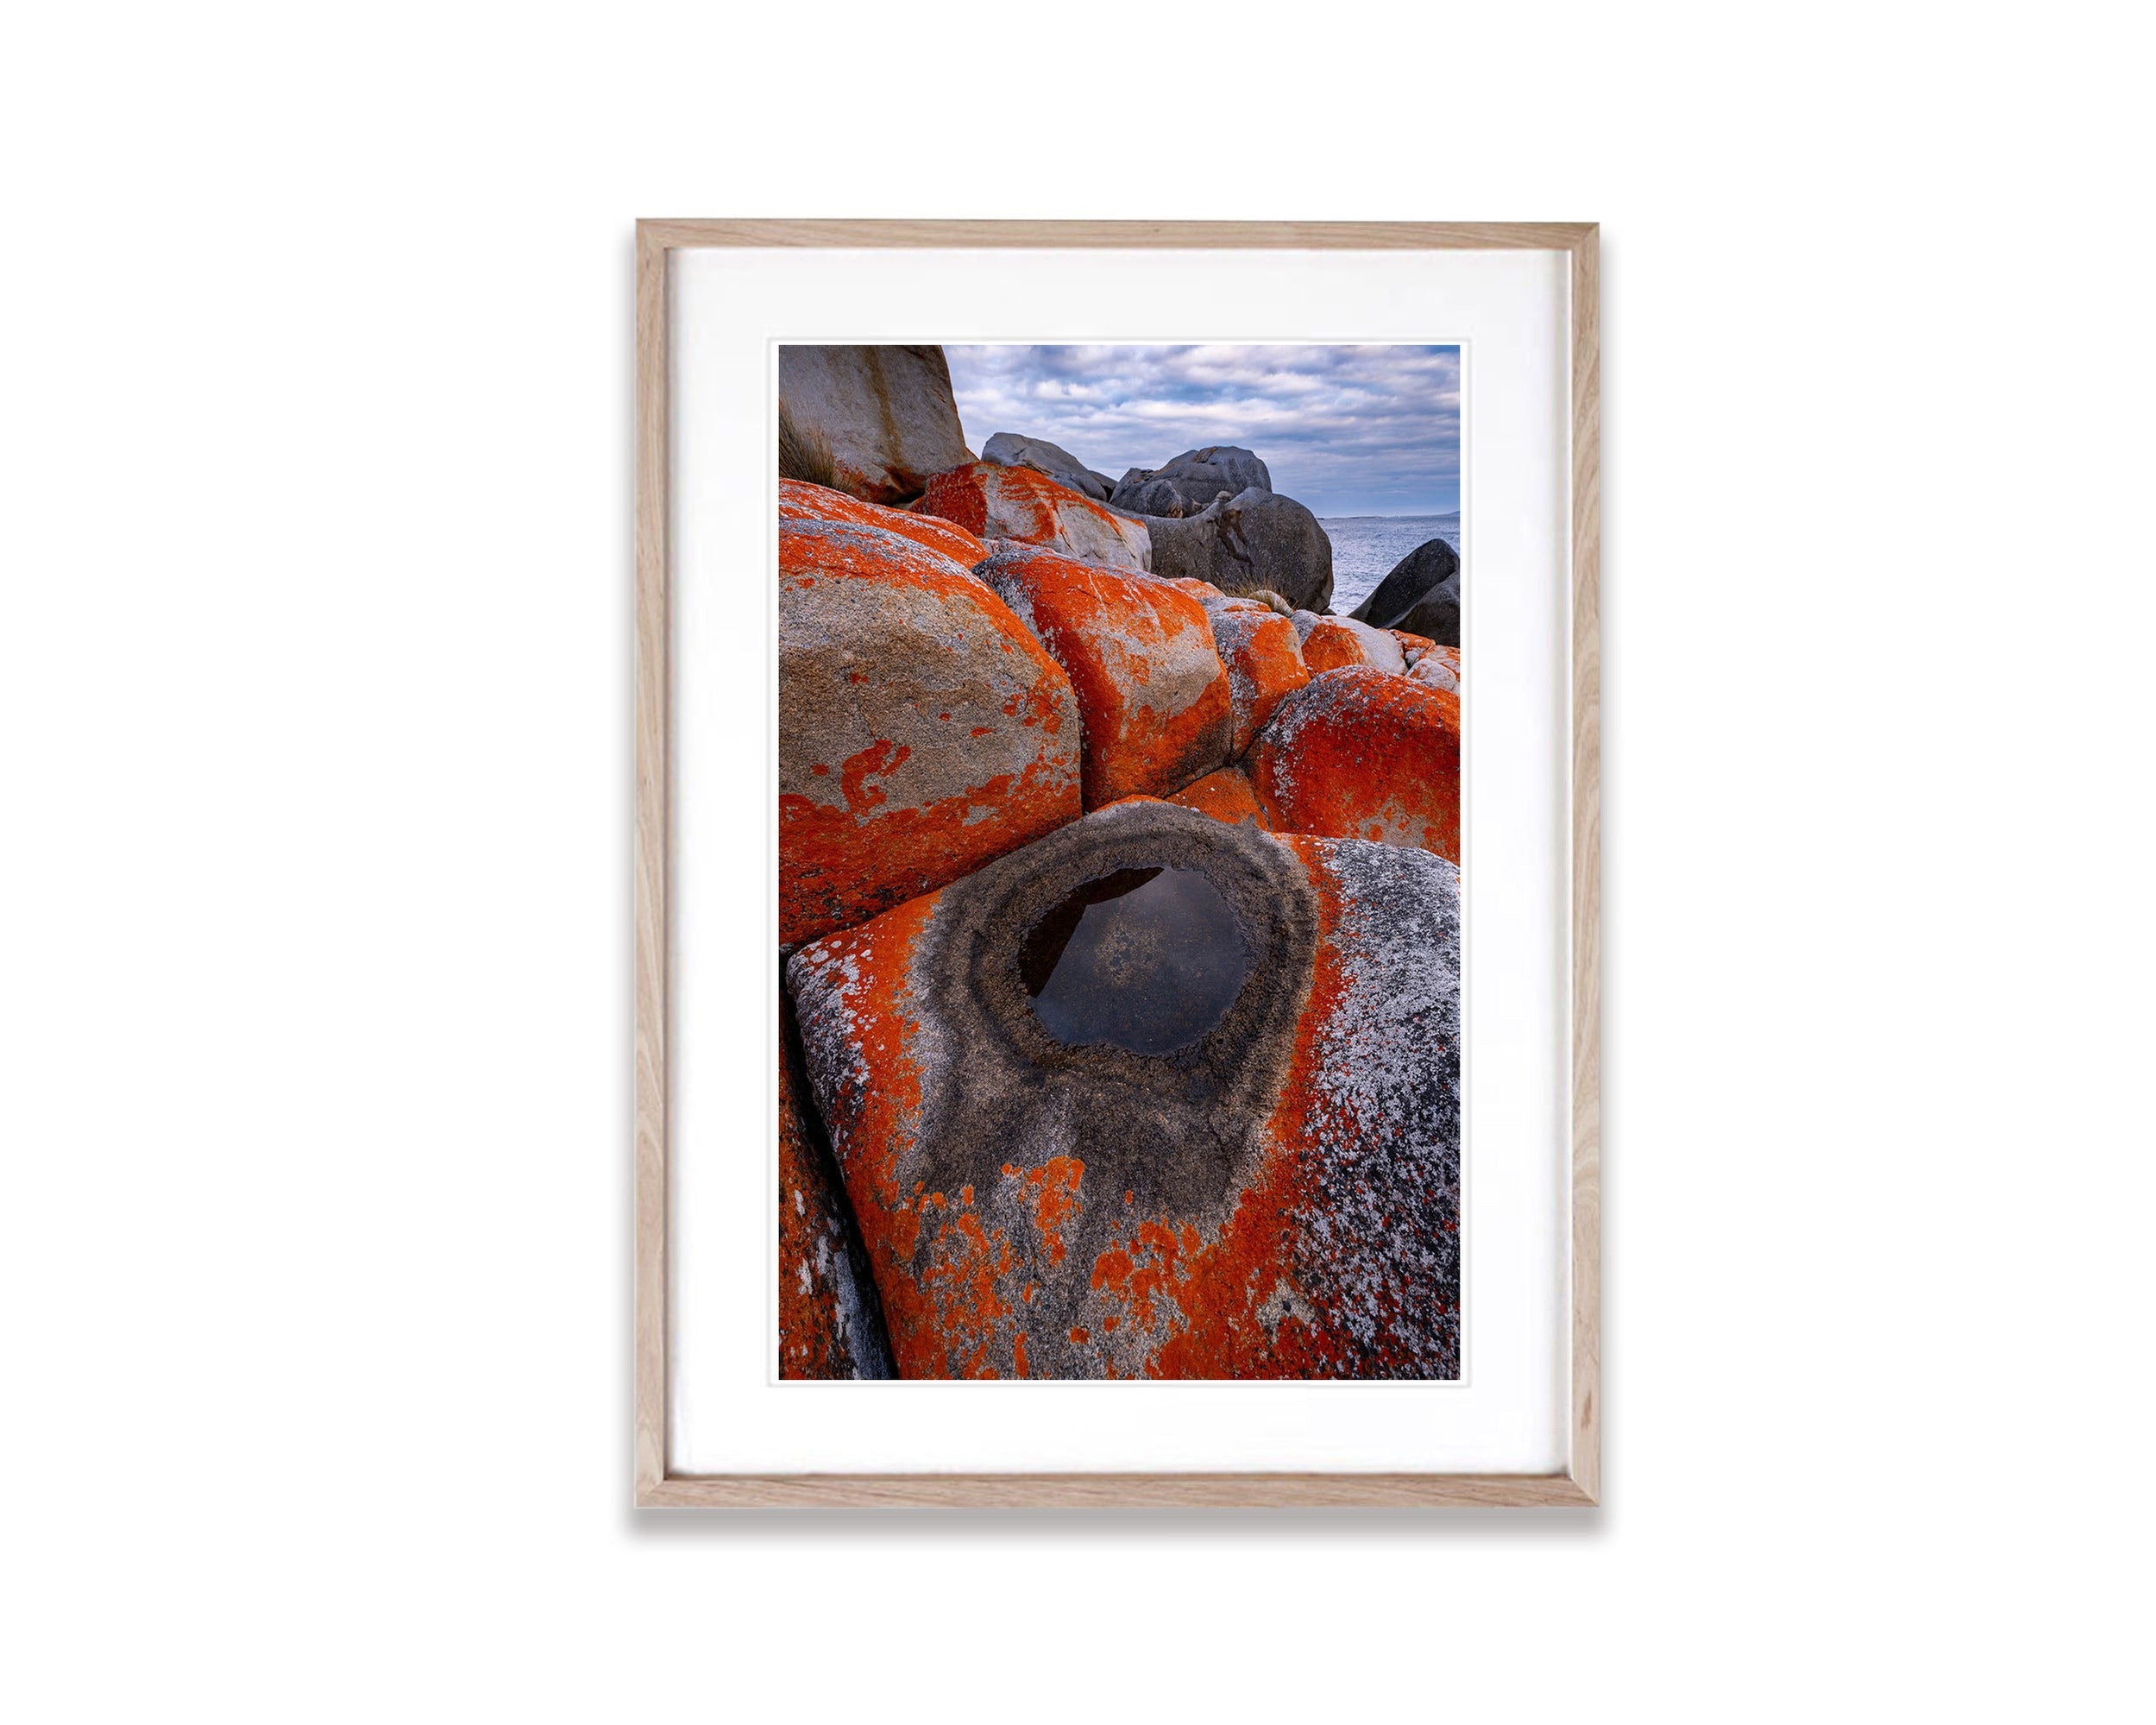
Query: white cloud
point(1345, 430)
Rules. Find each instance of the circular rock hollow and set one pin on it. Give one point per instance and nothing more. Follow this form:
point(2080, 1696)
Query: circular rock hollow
point(1125, 991)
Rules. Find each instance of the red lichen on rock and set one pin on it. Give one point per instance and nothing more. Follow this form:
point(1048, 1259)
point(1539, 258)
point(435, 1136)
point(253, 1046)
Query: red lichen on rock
point(1265, 665)
point(994, 503)
point(1226, 796)
point(799, 500)
point(922, 730)
point(851, 988)
point(1340, 1258)
point(1335, 643)
point(1331, 1249)
point(1412, 647)
point(968, 1279)
point(1361, 755)
point(1051, 1192)
point(829, 1324)
point(1438, 667)
point(1139, 657)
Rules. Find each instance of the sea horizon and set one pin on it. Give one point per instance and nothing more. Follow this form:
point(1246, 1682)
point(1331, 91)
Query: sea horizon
point(1367, 548)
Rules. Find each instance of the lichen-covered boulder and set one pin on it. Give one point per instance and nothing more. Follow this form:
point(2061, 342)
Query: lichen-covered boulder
point(1188, 485)
point(922, 729)
point(1253, 542)
point(1439, 668)
point(881, 421)
point(1156, 1096)
point(801, 501)
point(1412, 647)
point(1009, 449)
point(1265, 664)
point(1361, 753)
point(1421, 594)
point(830, 1324)
point(1140, 656)
point(1018, 503)
point(1226, 796)
point(1332, 643)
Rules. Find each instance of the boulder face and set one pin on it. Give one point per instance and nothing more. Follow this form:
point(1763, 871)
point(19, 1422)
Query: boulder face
point(884, 415)
point(1333, 643)
point(801, 501)
point(1009, 449)
point(1274, 1193)
point(1361, 753)
point(922, 730)
point(830, 1324)
point(1017, 503)
point(1252, 542)
point(1188, 485)
point(1139, 653)
point(1226, 796)
point(1439, 668)
point(1265, 664)
point(1421, 596)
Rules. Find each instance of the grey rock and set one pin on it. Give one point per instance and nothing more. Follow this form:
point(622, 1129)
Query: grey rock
point(1421, 596)
point(1188, 485)
point(1254, 540)
point(1011, 449)
point(1361, 1242)
point(883, 417)
point(1380, 650)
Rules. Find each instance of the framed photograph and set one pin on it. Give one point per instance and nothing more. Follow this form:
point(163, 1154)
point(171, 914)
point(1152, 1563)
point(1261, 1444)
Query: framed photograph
point(1116, 852)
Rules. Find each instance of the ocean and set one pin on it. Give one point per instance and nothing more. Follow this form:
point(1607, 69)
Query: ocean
point(1365, 547)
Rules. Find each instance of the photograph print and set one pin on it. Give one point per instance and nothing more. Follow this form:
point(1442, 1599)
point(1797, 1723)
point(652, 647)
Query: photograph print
point(1119, 890)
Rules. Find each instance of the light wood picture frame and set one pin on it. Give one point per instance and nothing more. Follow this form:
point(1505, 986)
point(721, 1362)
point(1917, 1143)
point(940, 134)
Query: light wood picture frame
point(1579, 1481)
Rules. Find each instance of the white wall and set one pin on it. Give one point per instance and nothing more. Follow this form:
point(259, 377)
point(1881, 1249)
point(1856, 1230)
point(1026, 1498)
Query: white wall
point(313, 941)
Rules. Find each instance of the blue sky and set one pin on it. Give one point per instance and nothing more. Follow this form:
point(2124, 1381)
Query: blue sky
point(1346, 430)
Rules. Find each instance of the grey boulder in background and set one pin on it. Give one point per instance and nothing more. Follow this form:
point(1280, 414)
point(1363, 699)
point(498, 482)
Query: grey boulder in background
point(1249, 543)
point(1011, 449)
point(1188, 485)
point(1421, 596)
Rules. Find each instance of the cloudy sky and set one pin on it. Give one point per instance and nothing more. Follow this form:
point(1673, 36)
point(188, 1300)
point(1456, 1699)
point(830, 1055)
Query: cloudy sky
point(1359, 430)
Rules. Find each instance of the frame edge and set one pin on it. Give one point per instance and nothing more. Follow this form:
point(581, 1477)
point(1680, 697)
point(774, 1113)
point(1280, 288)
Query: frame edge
point(653, 864)
point(1580, 1485)
point(1586, 1099)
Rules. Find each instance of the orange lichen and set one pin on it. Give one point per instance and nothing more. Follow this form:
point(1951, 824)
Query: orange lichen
point(1247, 1287)
point(1331, 645)
point(1052, 1190)
point(811, 1339)
point(1438, 667)
point(1361, 753)
point(1020, 503)
point(799, 500)
point(1152, 691)
point(874, 1104)
point(1227, 796)
point(1265, 665)
point(901, 821)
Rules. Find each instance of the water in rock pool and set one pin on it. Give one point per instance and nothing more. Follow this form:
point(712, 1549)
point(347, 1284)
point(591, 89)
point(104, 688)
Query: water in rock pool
point(1146, 959)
